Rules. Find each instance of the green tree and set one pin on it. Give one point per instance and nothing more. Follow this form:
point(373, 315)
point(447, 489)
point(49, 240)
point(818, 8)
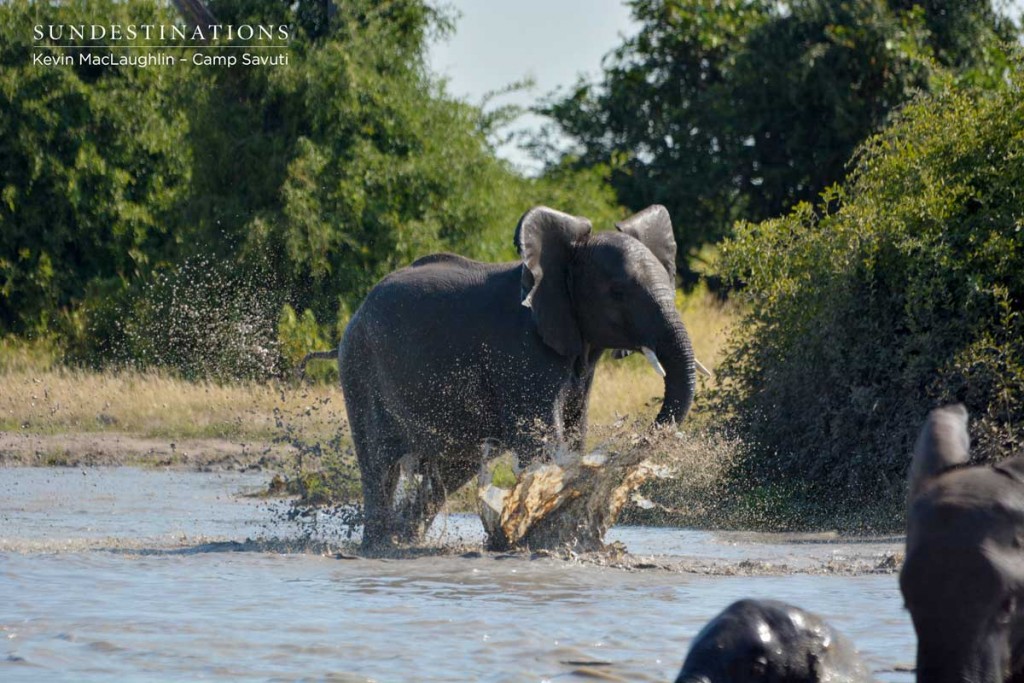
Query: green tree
point(968, 36)
point(93, 167)
point(314, 178)
point(358, 161)
point(739, 109)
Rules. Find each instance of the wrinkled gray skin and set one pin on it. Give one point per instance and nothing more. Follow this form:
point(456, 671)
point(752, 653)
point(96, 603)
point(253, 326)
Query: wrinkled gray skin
point(963, 575)
point(766, 641)
point(449, 354)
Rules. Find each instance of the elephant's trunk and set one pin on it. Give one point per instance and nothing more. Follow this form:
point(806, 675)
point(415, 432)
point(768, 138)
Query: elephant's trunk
point(675, 352)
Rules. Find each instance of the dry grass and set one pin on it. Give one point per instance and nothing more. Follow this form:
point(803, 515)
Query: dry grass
point(630, 387)
point(154, 404)
point(39, 396)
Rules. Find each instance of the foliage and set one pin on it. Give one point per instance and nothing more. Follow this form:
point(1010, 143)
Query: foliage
point(318, 177)
point(92, 166)
point(299, 335)
point(968, 36)
point(738, 109)
point(903, 291)
point(18, 355)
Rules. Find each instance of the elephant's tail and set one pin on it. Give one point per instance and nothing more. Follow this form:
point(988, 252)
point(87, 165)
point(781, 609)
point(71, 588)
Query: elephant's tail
point(300, 370)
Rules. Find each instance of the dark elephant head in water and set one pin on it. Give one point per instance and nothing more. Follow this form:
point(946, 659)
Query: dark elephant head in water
point(766, 641)
point(963, 576)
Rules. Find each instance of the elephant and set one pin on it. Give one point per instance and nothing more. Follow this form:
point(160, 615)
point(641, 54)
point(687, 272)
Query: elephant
point(449, 360)
point(963, 575)
point(767, 641)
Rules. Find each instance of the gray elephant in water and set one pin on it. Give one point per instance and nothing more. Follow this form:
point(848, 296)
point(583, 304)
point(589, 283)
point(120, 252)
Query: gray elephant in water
point(963, 576)
point(449, 354)
point(766, 641)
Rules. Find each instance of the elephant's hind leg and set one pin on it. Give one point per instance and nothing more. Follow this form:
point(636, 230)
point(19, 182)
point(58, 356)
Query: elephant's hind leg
point(379, 479)
point(379, 448)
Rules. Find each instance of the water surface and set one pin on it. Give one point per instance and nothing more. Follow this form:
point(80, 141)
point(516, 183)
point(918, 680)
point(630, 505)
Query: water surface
point(129, 574)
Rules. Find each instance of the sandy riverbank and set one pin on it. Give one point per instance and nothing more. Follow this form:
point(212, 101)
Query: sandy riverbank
point(111, 449)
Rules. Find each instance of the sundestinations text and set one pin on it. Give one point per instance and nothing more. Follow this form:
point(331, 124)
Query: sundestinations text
point(117, 32)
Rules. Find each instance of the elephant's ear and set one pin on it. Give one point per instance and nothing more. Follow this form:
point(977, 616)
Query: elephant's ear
point(653, 227)
point(943, 443)
point(546, 240)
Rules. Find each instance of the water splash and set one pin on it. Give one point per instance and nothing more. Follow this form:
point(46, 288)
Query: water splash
point(205, 320)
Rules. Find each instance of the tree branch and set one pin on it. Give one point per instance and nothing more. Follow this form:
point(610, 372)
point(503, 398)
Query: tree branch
point(195, 13)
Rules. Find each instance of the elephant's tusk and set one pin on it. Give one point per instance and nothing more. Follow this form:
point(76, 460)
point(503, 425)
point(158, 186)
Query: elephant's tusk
point(653, 360)
point(701, 369)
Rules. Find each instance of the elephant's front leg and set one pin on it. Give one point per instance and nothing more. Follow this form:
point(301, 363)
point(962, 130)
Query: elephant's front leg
point(575, 418)
point(576, 402)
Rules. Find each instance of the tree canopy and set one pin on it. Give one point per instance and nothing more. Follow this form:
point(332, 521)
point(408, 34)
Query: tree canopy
point(739, 109)
point(93, 166)
point(321, 175)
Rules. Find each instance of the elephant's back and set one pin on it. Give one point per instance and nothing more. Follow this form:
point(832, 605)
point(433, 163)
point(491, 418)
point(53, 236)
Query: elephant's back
point(439, 291)
point(426, 310)
point(438, 274)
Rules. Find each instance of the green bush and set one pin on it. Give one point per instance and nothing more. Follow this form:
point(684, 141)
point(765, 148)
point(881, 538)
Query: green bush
point(902, 290)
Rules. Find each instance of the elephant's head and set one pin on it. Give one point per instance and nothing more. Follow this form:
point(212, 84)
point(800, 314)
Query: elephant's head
point(766, 641)
point(963, 576)
point(610, 290)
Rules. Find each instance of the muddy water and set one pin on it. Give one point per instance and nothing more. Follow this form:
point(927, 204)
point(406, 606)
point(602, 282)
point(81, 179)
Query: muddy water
point(125, 574)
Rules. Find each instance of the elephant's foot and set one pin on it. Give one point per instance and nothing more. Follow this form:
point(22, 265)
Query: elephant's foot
point(377, 540)
point(394, 541)
point(412, 529)
point(405, 521)
point(415, 515)
point(376, 547)
point(402, 528)
point(383, 533)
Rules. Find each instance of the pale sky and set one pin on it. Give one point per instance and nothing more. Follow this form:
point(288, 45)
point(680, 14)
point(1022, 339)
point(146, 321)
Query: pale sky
point(498, 42)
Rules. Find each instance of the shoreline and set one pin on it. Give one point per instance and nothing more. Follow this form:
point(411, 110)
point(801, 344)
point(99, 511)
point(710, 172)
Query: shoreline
point(116, 449)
